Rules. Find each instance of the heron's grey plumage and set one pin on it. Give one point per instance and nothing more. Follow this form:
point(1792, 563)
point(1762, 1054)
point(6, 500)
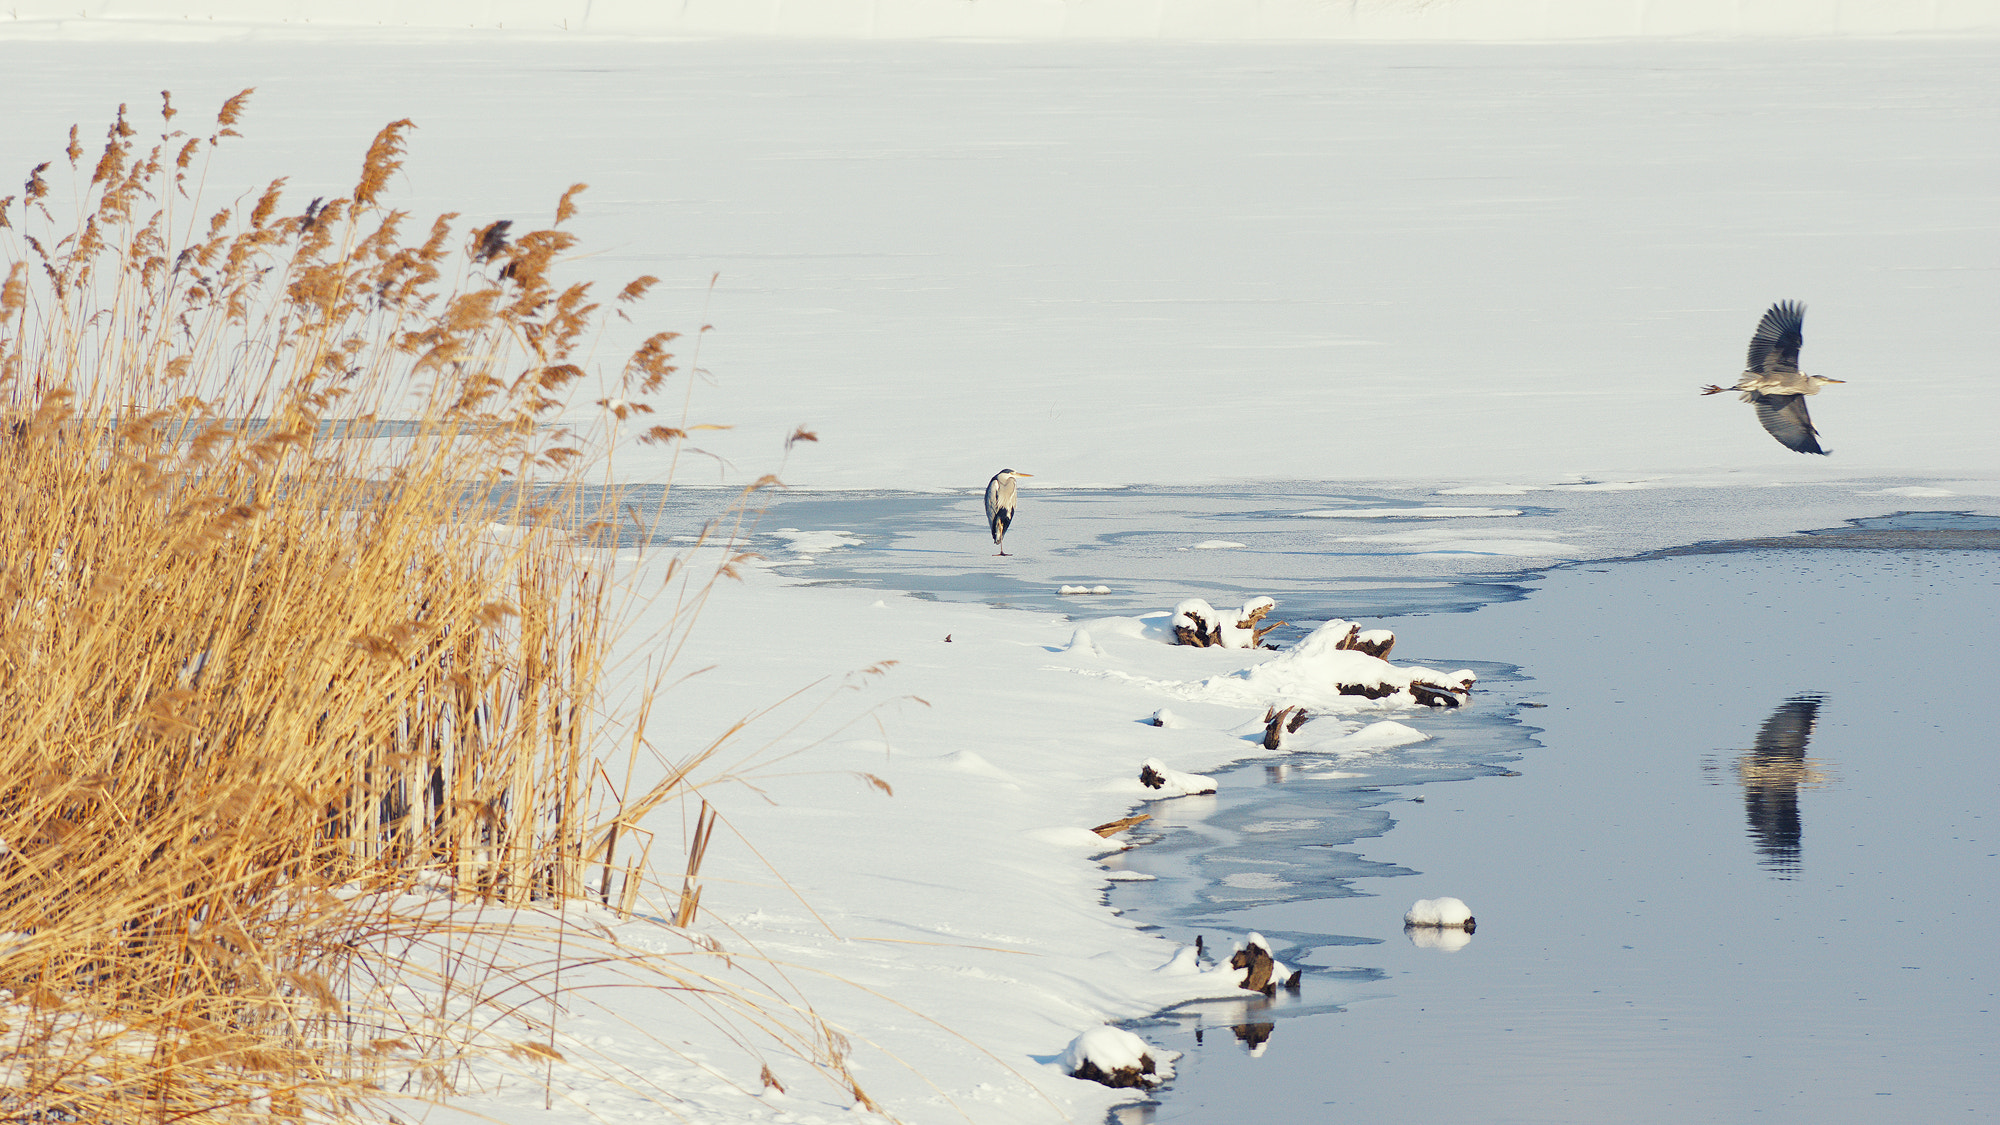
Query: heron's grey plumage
point(1000, 504)
point(1785, 418)
point(1774, 347)
point(1773, 383)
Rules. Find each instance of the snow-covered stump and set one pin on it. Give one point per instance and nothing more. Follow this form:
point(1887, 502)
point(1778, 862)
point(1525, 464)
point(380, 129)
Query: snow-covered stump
point(1200, 625)
point(1154, 774)
point(1116, 1058)
point(1439, 913)
point(1373, 642)
point(1262, 972)
point(1279, 723)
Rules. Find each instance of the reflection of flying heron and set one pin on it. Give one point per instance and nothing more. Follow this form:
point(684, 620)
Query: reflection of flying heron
point(1772, 772)
point(1000, 504)
point(1773, 381)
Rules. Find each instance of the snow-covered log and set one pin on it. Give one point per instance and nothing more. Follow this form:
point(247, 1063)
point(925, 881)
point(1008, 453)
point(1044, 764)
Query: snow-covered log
point(1340, 648)
point(1115, 1057)
point(1200, 625)
point(1113, 827)
point(1431, 695)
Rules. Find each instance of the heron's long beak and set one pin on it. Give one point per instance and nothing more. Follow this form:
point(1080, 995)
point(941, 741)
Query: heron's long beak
point(1833, 380)
point(1020, 474)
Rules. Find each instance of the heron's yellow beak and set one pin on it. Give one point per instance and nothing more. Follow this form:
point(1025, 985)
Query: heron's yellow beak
point(1031, 474)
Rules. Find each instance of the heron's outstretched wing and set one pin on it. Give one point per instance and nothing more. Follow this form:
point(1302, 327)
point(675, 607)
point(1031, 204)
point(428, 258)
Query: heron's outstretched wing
point(1786, 732)
point(1774, 348)
point(1785, 417)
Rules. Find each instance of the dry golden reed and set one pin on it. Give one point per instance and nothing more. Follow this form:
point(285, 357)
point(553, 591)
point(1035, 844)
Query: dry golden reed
point(267, 677)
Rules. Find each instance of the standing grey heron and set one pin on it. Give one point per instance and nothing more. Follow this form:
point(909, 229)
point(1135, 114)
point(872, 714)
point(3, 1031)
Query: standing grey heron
point(1773, 380)
point(1000, 504)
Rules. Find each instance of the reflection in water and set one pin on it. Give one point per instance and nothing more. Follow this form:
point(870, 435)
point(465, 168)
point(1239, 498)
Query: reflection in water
point(1246, 1019)
point(1252, 1035)
point(1772, 773)
point(1446, 939)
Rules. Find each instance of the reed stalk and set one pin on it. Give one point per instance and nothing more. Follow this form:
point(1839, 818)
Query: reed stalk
point(292, 652)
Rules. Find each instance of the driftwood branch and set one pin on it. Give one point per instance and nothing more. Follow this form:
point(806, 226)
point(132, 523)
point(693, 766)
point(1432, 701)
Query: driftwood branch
point(1113, 828)
point(1279, 723)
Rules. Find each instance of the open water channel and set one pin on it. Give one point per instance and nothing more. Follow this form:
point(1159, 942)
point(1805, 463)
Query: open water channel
point(1724, 808)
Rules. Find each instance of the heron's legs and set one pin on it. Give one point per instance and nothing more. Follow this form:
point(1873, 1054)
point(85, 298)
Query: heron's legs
point(1712, 389)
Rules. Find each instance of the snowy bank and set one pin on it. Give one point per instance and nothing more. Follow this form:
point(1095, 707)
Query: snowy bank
point(1185, 20)
point(911, 849)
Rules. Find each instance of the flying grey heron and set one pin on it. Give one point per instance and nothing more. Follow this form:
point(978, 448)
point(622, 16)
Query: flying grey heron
point(1000, 503)
point(1773, 380)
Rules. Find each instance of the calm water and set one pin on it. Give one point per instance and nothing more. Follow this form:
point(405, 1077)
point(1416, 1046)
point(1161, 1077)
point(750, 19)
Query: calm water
point(1744, 873)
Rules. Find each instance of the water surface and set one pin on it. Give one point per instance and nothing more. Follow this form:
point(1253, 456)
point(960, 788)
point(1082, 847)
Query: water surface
point(1744, 872)
point(1722, 808)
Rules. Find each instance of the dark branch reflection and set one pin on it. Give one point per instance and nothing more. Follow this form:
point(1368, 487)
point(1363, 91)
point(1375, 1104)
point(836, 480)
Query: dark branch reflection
point(1772, 772)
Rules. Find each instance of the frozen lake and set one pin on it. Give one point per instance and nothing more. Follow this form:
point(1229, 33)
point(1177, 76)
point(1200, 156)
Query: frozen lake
point(1321, 549)
point(1191, 263)
point(1728, 840)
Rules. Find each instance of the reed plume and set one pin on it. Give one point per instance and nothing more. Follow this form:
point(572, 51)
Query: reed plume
point(294, 659)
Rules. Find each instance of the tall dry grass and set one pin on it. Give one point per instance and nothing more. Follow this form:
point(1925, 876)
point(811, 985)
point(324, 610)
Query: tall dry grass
point(273, 691)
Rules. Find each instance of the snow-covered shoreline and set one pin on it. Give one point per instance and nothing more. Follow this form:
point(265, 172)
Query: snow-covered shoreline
point(911, 844)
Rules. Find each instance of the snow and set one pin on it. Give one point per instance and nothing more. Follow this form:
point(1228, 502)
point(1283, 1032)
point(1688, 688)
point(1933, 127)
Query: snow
point(1489, 268)
point(1423, 512)
point(1312, 672)
point(1384, 735)
point(1527, 544)
point(1439, 912)
point(809, 544)
point(1912, 491)
point(1166, 781)
point(1111, 1049)
point(950, 928)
